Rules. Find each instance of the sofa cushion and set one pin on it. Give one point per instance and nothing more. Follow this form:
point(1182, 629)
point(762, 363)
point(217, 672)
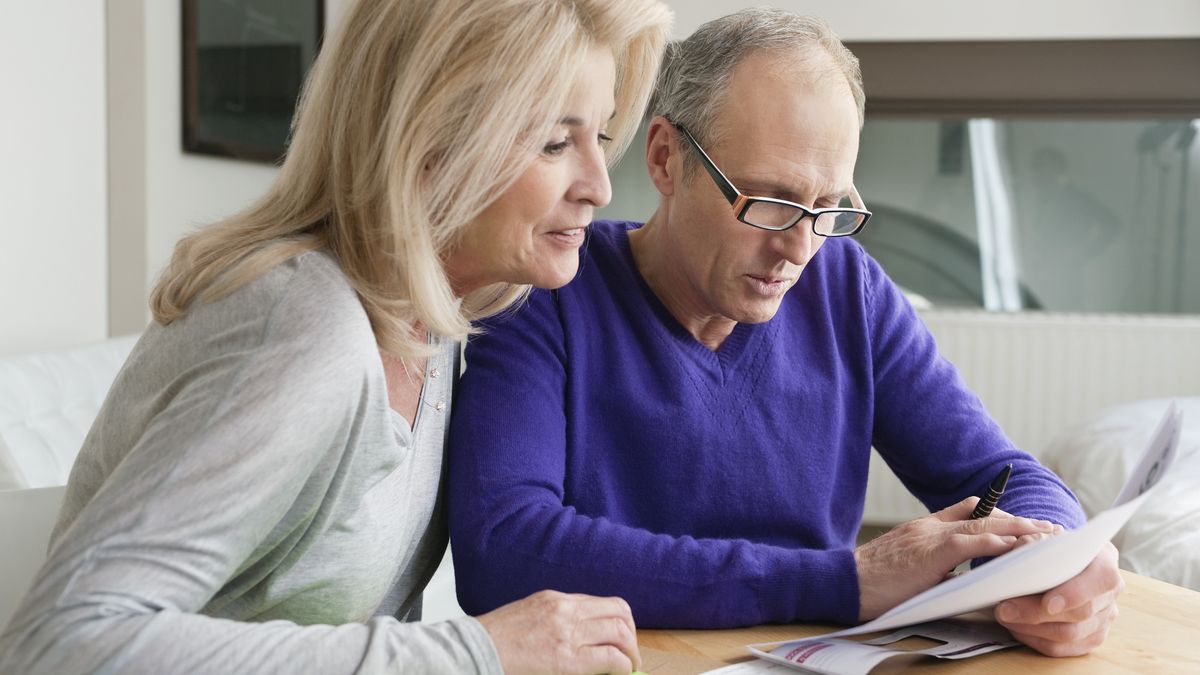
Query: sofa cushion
point(48, 402)
point(11, 476)
point(1162, 539)
point(26, 519)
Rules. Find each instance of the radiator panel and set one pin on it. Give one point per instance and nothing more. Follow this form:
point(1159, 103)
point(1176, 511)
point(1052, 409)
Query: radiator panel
point(1040, 373)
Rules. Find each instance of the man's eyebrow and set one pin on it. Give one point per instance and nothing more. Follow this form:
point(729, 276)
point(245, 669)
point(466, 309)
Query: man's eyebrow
point(787, 192)
point(571, 121)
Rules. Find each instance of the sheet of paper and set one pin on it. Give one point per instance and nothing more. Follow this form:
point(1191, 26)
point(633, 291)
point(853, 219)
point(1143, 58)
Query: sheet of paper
point(833, 656)
point(1033, 568)
point(1154, 463)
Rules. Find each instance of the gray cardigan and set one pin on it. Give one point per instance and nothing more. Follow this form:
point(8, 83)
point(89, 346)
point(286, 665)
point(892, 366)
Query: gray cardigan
point(247, 501)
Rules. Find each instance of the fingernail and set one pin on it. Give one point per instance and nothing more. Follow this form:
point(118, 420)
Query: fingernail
point(1056, 604)
point(1007, 612)
point(1008, 539)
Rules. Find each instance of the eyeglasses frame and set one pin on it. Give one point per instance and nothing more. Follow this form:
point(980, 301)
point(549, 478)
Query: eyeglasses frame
point(741, 203)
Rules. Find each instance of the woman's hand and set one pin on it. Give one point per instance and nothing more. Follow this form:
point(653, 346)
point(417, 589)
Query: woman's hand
point(551, 632)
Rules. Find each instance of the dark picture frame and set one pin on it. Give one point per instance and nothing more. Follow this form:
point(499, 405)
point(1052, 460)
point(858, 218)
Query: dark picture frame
point(244, 62)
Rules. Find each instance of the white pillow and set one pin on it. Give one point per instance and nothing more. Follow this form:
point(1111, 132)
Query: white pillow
point(11, 477)
point(1162, 539)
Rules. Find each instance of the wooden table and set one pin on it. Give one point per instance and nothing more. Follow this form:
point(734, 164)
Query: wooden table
point(1158, 631)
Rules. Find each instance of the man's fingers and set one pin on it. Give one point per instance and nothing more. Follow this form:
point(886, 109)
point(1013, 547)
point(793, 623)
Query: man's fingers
point(1066, 638)
point(1101, 578)
point(962, 547)
point(1064, 649)
point(999, 522)
point(1028, 611)
point(1005, 526)
point(959, 511)
point(1027, 539)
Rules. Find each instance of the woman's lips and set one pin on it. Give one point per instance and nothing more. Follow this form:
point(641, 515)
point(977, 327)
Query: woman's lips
point(572, 236)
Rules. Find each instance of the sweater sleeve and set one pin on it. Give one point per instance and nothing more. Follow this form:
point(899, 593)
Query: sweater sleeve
point(513, 534)
point(226, 465)
point(935, 433)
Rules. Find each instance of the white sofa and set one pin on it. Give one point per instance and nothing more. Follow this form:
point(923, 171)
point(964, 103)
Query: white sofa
point(1161, 540)
point(47, 404)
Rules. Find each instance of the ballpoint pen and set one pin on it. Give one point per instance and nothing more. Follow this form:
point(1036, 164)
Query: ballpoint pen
point(984, 508)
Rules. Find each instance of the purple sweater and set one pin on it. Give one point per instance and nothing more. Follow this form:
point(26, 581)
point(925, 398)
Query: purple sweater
point(597, 447)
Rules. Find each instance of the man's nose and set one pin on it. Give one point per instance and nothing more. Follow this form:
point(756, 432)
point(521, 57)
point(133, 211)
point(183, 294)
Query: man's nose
point(795, 244)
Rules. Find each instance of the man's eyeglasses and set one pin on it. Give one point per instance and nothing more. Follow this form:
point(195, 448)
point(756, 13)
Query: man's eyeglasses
point(776, 215)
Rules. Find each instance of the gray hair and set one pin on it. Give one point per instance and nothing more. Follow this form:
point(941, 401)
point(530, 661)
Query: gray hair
point(696, 72)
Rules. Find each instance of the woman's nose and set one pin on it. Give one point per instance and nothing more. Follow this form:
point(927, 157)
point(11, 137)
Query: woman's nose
point(592, 184)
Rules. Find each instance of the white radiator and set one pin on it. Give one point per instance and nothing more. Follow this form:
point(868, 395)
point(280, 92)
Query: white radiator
point(1040, 373)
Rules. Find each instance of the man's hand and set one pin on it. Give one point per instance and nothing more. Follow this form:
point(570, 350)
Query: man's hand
point(1071, 619)
point(916, 555)
point(551, 632)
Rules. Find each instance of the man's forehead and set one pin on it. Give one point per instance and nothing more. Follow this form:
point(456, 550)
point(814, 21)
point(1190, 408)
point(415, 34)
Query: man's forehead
point(779, 80)
point(788, 133)
point(805, 67)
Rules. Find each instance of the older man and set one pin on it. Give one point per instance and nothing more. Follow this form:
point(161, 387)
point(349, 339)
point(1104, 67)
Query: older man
point(687, 425)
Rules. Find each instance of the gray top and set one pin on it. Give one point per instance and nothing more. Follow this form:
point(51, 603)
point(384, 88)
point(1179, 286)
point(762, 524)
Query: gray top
point(247, 501)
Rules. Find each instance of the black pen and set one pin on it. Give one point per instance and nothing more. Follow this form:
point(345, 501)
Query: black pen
point(984, 508)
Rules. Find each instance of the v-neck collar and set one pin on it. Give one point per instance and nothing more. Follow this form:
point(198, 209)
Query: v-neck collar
point(741, 342)
point(399, 422)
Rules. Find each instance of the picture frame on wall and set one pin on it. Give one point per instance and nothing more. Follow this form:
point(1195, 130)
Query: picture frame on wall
point(244, 62)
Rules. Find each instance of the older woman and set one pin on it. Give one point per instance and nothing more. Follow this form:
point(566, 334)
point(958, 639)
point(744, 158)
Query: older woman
point(262, 489)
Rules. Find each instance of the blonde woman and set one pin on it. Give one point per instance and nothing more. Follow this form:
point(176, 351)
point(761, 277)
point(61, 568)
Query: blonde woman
point(261, 491)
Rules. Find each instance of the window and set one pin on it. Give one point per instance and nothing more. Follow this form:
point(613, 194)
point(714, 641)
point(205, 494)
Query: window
point(1055, 175)
point(1057, 214)
point(1024, 175)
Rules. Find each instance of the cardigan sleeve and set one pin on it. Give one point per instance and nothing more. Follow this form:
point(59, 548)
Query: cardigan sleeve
point(512, 534)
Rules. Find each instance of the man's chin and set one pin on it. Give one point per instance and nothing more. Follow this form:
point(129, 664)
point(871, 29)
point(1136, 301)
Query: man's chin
point(757, 312)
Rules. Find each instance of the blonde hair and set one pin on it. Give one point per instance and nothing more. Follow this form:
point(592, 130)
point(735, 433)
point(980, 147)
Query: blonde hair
point(409, 125)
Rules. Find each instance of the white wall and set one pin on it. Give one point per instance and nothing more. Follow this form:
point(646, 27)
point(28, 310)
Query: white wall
point(972, 20)
point(180, 191)
point(183, 191)
point(177, 192)
point(159, 193)
point(53, 176)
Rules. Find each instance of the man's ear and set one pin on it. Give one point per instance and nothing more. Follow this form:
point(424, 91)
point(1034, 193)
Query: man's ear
point(662, 160)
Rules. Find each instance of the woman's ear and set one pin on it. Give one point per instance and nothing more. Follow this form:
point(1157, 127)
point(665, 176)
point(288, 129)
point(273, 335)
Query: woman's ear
point(662, 161)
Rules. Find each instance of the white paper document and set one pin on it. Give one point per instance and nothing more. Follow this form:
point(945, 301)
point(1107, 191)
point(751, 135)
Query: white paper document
point(957, 639)
point(1030, 569)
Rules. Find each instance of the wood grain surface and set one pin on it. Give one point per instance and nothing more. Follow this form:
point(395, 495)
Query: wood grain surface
point(1158, 631)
